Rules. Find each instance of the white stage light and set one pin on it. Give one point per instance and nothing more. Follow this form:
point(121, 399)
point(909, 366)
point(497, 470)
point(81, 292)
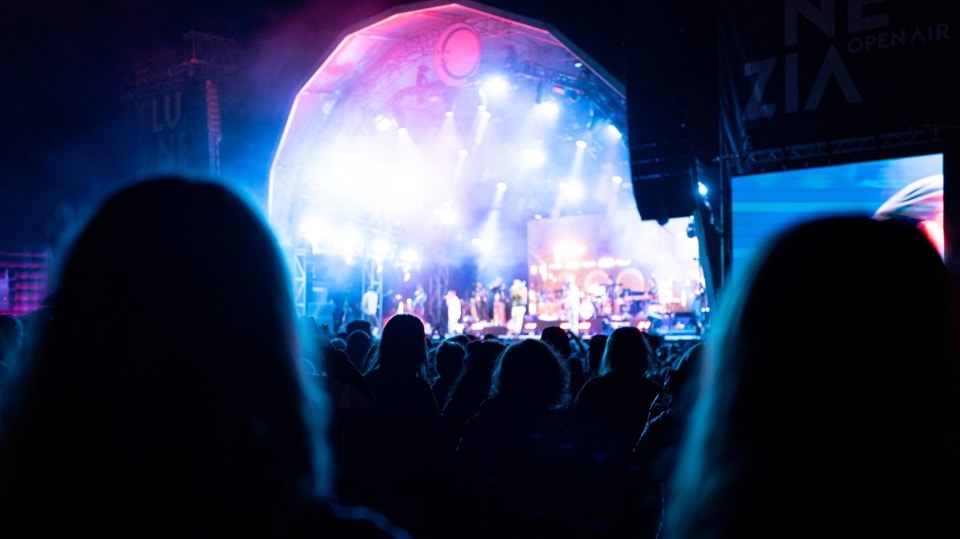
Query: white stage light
point(549, 107)
point(313, 230)
point(534, 157)
point(446, 214)
point(410, 256)
point(380, 247)
point(383, 122)
point(496, 86)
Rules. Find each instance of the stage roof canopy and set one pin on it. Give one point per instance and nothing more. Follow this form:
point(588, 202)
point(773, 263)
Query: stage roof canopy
point(440, 123)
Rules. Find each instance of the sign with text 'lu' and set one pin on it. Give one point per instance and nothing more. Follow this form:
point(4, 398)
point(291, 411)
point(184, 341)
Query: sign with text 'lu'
point(802, 71)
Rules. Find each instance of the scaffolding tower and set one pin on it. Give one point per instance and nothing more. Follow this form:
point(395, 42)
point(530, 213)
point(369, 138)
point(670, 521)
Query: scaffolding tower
point(177, 97)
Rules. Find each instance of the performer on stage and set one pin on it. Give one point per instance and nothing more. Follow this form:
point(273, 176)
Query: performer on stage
point(339, 314)
point(571, 304)
point(454, 312)
point(419, 305)
point(499, 292)
point(617, 301)
point(518, 302)
point(479, 299)
point(370, 305)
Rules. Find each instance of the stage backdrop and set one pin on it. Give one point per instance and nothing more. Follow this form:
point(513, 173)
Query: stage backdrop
point(601, 251)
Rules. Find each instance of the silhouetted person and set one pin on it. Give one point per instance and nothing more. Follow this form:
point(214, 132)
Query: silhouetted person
point(11, 342)
point(560, 340)
point(472, 388)
point(514, 455)
point(166, 394)
point(608, 415)
point(450, 359)
point(358, 324)
point(402, 444)
point(595, 348)
point(359, 345)
point(655, 453)
point(844, 425)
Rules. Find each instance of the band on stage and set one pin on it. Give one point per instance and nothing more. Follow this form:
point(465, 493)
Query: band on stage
point(500, 308)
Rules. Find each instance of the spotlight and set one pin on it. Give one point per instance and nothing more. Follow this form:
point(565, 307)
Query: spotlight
point(691, 229)
point(496, 86)
point(383, 122)
point(533, 157)
point(550, 107)
point(702, 189)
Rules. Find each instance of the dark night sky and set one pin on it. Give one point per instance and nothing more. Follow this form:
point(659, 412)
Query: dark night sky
point(66, 139)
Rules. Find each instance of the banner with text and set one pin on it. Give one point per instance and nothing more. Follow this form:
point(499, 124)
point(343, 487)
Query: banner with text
point(802, 71)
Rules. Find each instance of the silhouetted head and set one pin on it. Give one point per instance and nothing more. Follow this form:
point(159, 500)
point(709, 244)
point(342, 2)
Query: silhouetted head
point(682, 383)
point(359, 325)
point(822, 376)
point(462, 339)
point(450, 358)
point(358, 345)
point(482, 354)
point(11, 337)
point(626, 351)
point(557, 337)
point(531, 372)
point(403, 346)
point(595, 348)
point(167, 386)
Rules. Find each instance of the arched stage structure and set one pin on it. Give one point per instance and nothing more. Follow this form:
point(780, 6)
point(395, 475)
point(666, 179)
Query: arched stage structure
point(447, 144)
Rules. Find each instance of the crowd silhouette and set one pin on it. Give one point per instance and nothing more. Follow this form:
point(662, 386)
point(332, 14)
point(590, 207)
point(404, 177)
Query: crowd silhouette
point(160, 395)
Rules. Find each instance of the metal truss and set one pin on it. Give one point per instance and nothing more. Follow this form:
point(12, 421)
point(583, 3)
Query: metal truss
point(206, 55)
point(761, 159)
point(299, 267)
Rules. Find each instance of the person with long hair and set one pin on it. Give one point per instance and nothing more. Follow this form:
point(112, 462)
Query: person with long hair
point(820, 413)
point(166, 396)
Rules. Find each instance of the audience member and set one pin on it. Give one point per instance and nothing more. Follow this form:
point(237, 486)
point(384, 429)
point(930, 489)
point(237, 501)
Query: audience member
point(360, 345)
point(450, 357)
point(608, 415)
point(471, 389)
point(400, 449)
point(160, 400)
point(11, 341)
point(820, 413)
point(655, 453)
point(595, 347)
point(561, 341)
point(514, 455)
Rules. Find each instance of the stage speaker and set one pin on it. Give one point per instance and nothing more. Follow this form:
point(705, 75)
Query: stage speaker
point(664, 198)
point(498, 331)
point(662, 163)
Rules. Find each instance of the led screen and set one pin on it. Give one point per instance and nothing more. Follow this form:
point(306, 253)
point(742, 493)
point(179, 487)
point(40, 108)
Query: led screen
point(907, 187)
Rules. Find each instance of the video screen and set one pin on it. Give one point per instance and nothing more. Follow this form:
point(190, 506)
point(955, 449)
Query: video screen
point(907, 187)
